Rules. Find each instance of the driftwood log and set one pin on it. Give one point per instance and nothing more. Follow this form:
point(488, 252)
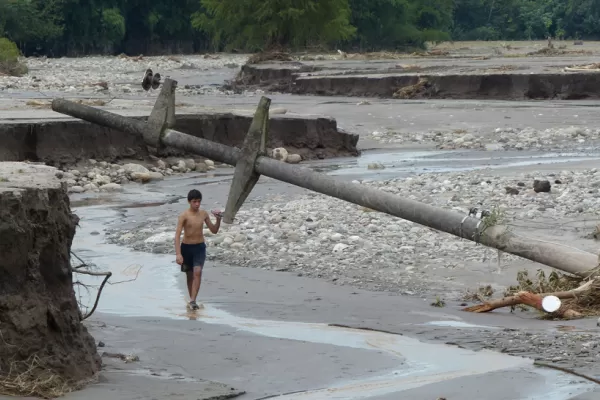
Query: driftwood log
point(535, 300)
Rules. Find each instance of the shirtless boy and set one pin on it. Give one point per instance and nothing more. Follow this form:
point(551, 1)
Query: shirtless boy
point(191, 253)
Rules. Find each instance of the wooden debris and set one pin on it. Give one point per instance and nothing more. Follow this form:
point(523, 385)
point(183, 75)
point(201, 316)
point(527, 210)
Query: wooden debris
point(412, 91)
point(535, 300)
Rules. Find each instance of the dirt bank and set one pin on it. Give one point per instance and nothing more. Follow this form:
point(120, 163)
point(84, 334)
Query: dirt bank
point(67, 141)
point(497, 80)
point(45, 349)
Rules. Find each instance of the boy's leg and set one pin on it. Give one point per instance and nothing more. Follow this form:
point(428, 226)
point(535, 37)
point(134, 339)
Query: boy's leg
point(188, 262)
point(199, 258)
point(190, 279)
point(197, 280)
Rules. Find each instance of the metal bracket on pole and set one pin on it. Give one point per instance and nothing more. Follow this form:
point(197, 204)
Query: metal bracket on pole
point(163, 114)
point(245, 177)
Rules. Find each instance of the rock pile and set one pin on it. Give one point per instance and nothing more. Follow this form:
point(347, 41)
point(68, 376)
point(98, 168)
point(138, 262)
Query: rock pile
point(95, 176)
point(102, 176)
point(500, 139)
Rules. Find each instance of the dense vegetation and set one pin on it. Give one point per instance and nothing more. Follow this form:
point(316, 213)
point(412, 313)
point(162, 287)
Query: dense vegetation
point(78, 27)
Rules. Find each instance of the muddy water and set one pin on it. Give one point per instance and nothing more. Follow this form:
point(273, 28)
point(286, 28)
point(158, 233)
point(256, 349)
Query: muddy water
point(420, 364)
point(404, 163)
point(148, 279)
point(158, 291)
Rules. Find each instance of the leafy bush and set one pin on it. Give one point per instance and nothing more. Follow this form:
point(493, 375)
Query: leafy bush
point(9, 59)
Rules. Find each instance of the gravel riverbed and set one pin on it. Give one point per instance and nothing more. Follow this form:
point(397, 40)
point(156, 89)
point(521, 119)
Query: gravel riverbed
point(319, 236)
point(571, 138)
point(115, 76)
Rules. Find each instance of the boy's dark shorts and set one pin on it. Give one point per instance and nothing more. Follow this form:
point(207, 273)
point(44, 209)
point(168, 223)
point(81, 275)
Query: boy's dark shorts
point(193, 255)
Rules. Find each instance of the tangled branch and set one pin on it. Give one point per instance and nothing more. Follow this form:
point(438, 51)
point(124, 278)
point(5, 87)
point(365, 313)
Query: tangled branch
point(83, 268)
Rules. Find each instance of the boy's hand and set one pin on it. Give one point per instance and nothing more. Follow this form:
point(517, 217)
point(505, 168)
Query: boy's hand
point(218, 214)
point(179, 259)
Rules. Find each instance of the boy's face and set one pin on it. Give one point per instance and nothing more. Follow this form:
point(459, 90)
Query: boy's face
point(195, 204)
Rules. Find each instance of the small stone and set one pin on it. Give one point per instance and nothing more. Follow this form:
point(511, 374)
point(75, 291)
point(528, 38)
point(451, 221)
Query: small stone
point(239, 238)
point(190, 164)
point(541, 186)
point(275, 111)
point(512, 191)
point(201, 167)
point(375, 166)
point(293, 158)
point(336, 237)
point(494, 147)
point(135, 168)
point(90, 187)
point(102, 180)
point(146, 177)
point(111, 187)
point(354, 239)
point(209, 163)
point(340, 247)
point(280, 154)
point(161, 164)
point(76, 189)
point(293, 237)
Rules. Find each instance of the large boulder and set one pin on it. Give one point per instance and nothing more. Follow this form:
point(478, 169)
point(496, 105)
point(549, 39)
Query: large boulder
point(40, 321)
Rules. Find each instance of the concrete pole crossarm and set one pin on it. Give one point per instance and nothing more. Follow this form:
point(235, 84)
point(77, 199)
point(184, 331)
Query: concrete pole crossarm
point(245, 176)
point(99, 117)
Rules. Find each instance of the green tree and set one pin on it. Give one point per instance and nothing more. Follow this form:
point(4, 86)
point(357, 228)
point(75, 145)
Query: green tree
point(9, 58)
point(260, 24)
point(113, 26)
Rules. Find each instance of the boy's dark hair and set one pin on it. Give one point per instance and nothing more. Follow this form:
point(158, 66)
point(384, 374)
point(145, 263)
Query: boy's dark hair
point(194, 194)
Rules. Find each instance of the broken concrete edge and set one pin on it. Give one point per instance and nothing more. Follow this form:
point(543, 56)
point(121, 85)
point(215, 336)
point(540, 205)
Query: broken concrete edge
point(490, 86)
point(41, 328)
point(68, 141)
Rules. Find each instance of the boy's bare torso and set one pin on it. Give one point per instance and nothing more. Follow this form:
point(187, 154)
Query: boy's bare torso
point(193, 226)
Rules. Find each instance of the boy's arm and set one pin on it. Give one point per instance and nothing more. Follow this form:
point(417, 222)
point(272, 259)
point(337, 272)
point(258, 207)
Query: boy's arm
point(214, 228)
point(180, 222)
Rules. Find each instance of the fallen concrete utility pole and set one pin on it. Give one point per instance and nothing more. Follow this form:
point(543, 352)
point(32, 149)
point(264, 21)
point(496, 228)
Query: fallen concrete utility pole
point(251, 162)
